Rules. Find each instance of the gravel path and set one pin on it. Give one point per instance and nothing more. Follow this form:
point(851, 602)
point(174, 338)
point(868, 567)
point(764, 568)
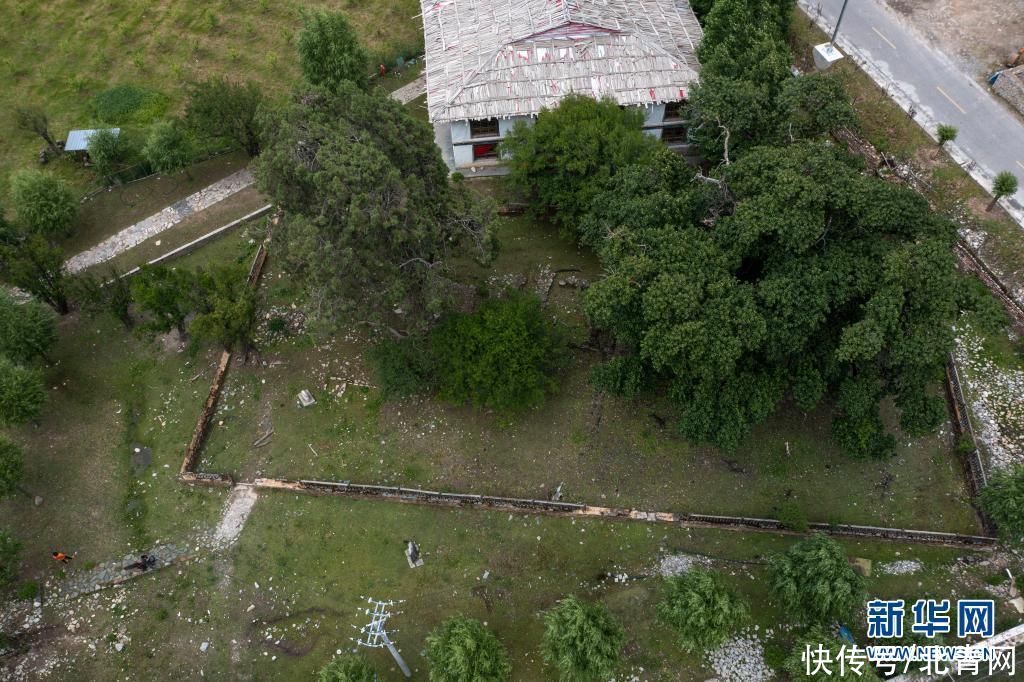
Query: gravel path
point(164, 220)
point(236, 512)
point(411, 91)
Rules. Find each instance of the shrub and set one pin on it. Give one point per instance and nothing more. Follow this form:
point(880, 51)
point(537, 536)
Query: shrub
point(21, 393)
point(503, 356)
point(463, 650)
point(329, 51)
point(1003, 501)
point(350, 668)
point(814, 581)
point(108, 150)
point(792, 516)
point(43, 202)
point(129, 104)
point(583, 640)
point(28, 590)
point(167, 148)
point(27, 330)
point(701, 609)
point(816, 636)
point(404, 367)
point(1004, 185)
point(946, 133)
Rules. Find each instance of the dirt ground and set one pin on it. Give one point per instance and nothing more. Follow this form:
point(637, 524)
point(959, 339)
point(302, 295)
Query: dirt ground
point(978, 34)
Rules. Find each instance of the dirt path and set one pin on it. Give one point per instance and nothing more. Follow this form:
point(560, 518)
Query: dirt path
point(410, 91)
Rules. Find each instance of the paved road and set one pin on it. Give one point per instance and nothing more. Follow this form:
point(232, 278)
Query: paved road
point(989, 135)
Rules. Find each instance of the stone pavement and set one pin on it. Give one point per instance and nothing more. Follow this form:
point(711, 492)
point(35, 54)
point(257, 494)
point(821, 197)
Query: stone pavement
point(111, 573)
point(410, 91)
point(164, 220)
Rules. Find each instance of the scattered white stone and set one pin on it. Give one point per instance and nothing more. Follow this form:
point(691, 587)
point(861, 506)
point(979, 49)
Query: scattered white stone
point(740, 659)
point(677, 564)
point(204, 646)
point(902, 567)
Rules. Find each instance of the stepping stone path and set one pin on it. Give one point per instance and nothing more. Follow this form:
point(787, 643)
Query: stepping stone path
point(164, 220)
point(105, 575)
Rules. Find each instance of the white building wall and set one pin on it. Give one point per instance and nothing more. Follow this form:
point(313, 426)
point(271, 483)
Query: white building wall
point(654, 115)
point(462, 153)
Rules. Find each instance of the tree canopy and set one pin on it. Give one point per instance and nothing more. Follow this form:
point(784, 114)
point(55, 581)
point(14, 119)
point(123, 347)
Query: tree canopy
point(793, 275)
point(330, 53)
point(31, 262)
point(218, 107)
point(43, 202)
point(226, 307)
point(462, 650)
point(582, 640)
point(702, 609)
point(348, 668)
point(503, 356)
point(168, 295)
point(814, 582)
point(566, 157)
point(108, 150)
point(372, 222)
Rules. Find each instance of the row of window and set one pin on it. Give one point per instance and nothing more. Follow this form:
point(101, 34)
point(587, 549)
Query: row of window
point(488, 127)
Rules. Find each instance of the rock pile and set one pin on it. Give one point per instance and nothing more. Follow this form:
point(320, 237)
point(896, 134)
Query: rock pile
point(740, 659)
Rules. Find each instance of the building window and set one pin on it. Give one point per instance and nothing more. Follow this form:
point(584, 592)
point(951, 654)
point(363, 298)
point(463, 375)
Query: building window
point(485, 151)
point(673, 134)
point(488, 127)
point(672, 110)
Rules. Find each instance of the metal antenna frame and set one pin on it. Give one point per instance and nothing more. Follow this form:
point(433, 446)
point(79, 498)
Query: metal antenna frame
point(375, 633)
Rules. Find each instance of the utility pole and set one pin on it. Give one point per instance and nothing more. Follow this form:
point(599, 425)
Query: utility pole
point(835, 32)
point(375, 636)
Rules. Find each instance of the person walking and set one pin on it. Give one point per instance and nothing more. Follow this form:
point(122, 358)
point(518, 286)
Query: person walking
point(62, 557)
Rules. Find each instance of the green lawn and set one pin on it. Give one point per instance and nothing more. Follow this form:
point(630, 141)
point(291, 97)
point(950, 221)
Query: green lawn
point(295, 583)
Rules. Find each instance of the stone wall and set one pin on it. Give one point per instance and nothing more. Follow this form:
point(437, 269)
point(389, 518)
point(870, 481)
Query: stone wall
point(1010, 86)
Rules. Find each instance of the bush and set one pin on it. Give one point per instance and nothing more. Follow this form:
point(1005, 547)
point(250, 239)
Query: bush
point(946, 133)
point(21, 393)
point(329, 51)
point(29, 590)
point(129, 104)
point(167, 148)
point(43, 202)
point(10, 553)
point(12, 467)
point(403, 367)
point(503, 356)
point(814, 581)
point(582, 640)
point(1003, 501)
point(350, 668)
point(792, 516)
point(27, 330)
point(463, 650)
point(817, 635)
point(108, 150)
point(701, 609)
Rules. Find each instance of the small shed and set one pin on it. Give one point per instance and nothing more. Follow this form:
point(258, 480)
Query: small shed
point(78, 140)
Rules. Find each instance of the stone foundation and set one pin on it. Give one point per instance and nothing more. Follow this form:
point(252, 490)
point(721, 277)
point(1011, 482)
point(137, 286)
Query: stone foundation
point(1010, 86)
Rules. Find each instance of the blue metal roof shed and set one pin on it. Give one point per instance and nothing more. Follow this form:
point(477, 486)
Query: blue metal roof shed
point(78, 140)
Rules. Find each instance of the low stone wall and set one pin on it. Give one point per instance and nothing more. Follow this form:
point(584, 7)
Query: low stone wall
point(1010, 86)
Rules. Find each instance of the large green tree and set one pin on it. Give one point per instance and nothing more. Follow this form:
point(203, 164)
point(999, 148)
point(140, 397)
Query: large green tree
point(503, 356)
point(702, 609)
point(814, 581)
point(109, 150)
point(792, 274)
point(583, 640)
point(43, 202)
point(219, 108)
point(567, 156)
point(27, 330)
point(372, 222)
point(463, 650)
point(330, 53)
